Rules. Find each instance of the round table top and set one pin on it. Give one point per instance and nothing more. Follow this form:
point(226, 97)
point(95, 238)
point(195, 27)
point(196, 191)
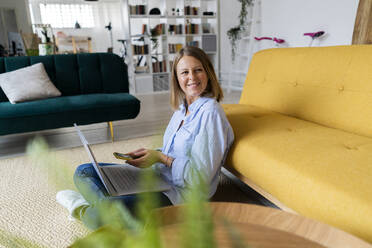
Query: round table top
point(251, 235)
point(262, 227)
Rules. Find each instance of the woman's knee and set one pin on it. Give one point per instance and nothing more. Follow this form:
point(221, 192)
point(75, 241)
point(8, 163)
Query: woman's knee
point(84, 170)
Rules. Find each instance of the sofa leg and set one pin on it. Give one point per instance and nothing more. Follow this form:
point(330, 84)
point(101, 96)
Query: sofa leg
point(111, 130)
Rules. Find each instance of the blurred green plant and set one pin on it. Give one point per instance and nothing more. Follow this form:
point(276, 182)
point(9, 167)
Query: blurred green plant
point(14, 241)
point(120, 228)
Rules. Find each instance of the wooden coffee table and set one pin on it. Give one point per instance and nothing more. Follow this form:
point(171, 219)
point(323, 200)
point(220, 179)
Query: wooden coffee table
point(261, 227)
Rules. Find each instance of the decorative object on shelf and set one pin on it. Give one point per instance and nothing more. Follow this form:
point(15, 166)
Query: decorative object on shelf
point(277, 41)
point(206, 28)
point(45, 33)
point(31, 42)
point(314, 36)
point(154, 11)
point(77, 25)
point(208, 13)
point(263, 38)
point(234, 33)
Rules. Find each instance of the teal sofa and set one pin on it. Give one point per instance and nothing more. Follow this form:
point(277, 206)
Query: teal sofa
point(94, 89)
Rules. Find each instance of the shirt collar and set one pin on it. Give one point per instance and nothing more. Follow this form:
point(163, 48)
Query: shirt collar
point(195, 105)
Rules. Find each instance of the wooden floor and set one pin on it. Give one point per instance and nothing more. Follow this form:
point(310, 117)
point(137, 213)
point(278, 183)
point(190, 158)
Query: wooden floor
point(153, 118)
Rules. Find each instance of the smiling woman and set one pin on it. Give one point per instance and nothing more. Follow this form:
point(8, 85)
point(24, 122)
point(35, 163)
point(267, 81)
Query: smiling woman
point(192, 78)
point(194, 61)
point(195, 142)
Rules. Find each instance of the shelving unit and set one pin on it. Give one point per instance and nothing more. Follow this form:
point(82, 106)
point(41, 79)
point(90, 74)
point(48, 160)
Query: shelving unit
point(154, 40)
point(75, 44)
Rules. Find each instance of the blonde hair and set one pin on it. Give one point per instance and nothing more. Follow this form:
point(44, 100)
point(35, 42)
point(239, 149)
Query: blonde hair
point(213, 88)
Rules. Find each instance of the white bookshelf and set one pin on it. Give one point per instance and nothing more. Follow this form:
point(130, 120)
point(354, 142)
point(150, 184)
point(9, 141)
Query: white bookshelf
point(149, 67)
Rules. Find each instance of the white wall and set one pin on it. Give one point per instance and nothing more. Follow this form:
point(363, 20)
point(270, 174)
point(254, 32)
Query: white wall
point(229, 12)
point(289, 19)
point(22, 13)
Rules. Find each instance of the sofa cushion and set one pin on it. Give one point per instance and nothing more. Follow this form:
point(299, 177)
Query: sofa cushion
point(27, 84)
point(66, 104)
point(65, 110)
point(322, 173)
point(328, 85)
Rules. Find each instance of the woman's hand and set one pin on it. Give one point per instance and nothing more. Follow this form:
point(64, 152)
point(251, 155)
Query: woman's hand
point(143, 158)
point(135, 153)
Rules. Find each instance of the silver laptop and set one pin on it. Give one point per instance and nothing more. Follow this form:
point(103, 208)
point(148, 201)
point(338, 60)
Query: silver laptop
point(120, 179)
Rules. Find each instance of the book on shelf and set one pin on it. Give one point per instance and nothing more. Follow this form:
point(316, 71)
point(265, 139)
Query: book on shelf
point(191, 28)
point(174, 48)
point(175, 29)
point(193, 43)
point(159, 66)
point(144, 28)
point(140, 49)
point(137, 9)
point(189, 10)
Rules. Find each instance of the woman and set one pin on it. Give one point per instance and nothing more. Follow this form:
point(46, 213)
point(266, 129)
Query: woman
point(198, 137)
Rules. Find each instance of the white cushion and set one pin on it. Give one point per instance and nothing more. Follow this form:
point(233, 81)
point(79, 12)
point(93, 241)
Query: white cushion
point(28, 83)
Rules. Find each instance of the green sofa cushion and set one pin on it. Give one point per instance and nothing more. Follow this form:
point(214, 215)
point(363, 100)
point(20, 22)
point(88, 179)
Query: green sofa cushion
point(66, 104)
point(64, 111)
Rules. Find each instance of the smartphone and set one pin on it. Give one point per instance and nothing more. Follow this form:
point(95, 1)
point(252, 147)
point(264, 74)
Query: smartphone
point(122, 156)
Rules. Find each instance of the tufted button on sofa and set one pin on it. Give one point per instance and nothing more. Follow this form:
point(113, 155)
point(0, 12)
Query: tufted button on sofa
point(303, 139)
point(94, 89)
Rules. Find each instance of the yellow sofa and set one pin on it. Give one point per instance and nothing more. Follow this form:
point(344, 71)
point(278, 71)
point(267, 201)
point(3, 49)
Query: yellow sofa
point(303, 133)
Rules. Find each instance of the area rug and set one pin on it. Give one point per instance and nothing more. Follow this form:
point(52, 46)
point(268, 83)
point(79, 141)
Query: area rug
point(29, 213)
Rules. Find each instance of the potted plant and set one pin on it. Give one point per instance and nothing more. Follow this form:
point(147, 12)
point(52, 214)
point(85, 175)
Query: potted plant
point(234, 34)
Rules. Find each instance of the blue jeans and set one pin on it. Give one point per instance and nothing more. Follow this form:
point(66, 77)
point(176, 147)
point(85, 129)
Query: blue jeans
point(85, 177)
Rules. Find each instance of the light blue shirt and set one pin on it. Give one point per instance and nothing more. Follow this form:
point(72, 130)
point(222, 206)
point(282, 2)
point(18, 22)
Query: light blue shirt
point(202, 141)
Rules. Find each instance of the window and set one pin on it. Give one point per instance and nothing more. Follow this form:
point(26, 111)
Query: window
point(66, 15)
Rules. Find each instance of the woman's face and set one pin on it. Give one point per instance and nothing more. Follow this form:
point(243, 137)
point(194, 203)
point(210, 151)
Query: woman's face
point(192, 77)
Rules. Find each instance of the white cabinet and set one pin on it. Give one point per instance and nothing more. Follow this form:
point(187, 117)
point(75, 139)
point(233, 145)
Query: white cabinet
point(158, 29)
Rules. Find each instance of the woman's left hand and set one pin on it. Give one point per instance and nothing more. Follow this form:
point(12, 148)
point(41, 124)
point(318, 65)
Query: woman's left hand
point(145, 158)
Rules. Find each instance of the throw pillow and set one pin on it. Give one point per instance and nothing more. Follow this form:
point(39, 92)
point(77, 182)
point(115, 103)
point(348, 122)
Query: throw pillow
point(27, 84)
